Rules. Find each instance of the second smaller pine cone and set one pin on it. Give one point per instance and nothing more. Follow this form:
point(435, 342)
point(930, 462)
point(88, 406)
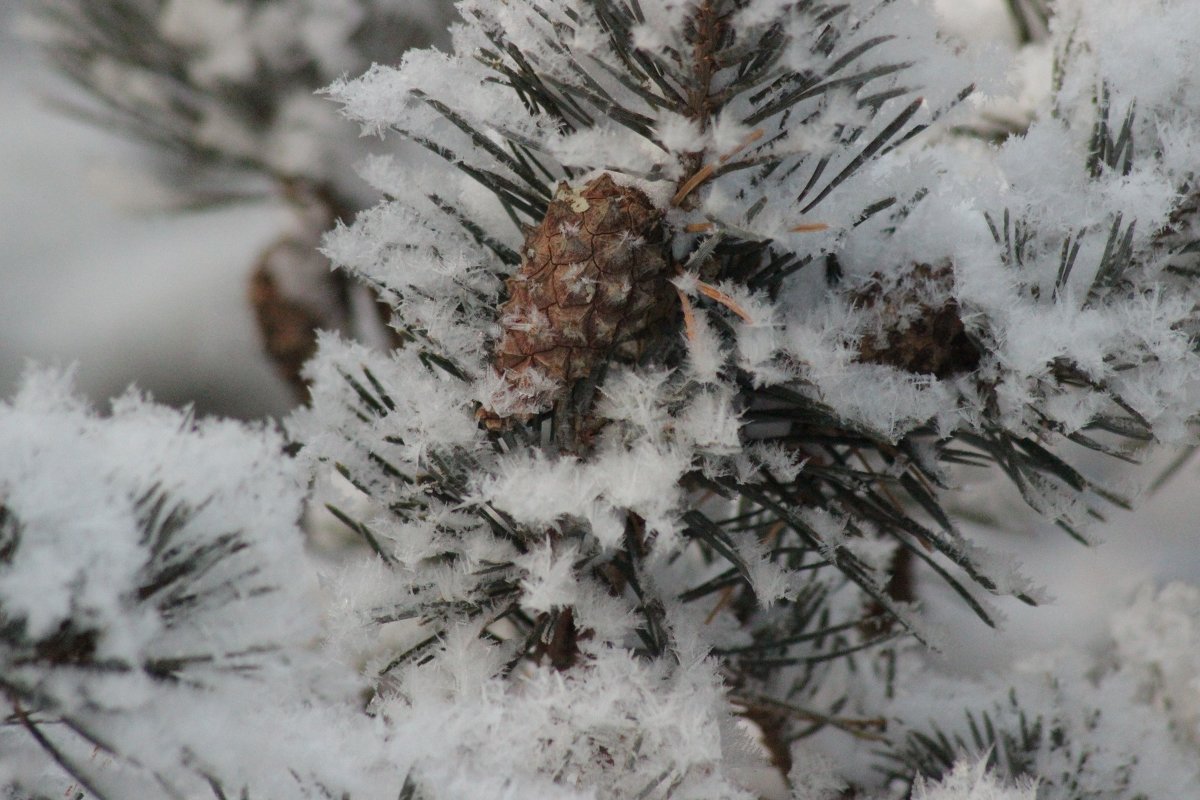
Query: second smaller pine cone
point(919, 328)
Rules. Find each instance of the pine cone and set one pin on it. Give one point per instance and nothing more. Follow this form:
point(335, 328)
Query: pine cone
point(591, 288)
point(293, 294)
point(920, 329)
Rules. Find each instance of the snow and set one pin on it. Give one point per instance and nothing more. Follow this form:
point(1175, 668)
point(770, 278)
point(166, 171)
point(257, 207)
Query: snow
point(1132, 343)
point(595, 730)
point(480, 533)
point(151, 563)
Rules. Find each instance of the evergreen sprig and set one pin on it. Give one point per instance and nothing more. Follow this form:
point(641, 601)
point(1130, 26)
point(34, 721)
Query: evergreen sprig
point(1065, 754)
point(579, 89)
point(184, 576)
point(867, 484)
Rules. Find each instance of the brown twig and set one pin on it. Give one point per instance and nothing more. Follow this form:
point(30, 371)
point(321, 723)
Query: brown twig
point(55, 754)
point(859, 728)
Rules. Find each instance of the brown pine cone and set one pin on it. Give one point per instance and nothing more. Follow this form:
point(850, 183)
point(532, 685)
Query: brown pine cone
point(591, 286)
point(920, 329)
point(288, 295)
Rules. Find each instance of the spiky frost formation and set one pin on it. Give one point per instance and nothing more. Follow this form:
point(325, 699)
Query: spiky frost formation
point(156, 607)
point(867, 310)
point(969, 781)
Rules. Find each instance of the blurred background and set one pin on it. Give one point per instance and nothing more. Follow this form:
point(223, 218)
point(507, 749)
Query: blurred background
point(93, 278)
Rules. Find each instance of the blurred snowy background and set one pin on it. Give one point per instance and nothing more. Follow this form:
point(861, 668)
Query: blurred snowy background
point(90, 278)
point(158, 300)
